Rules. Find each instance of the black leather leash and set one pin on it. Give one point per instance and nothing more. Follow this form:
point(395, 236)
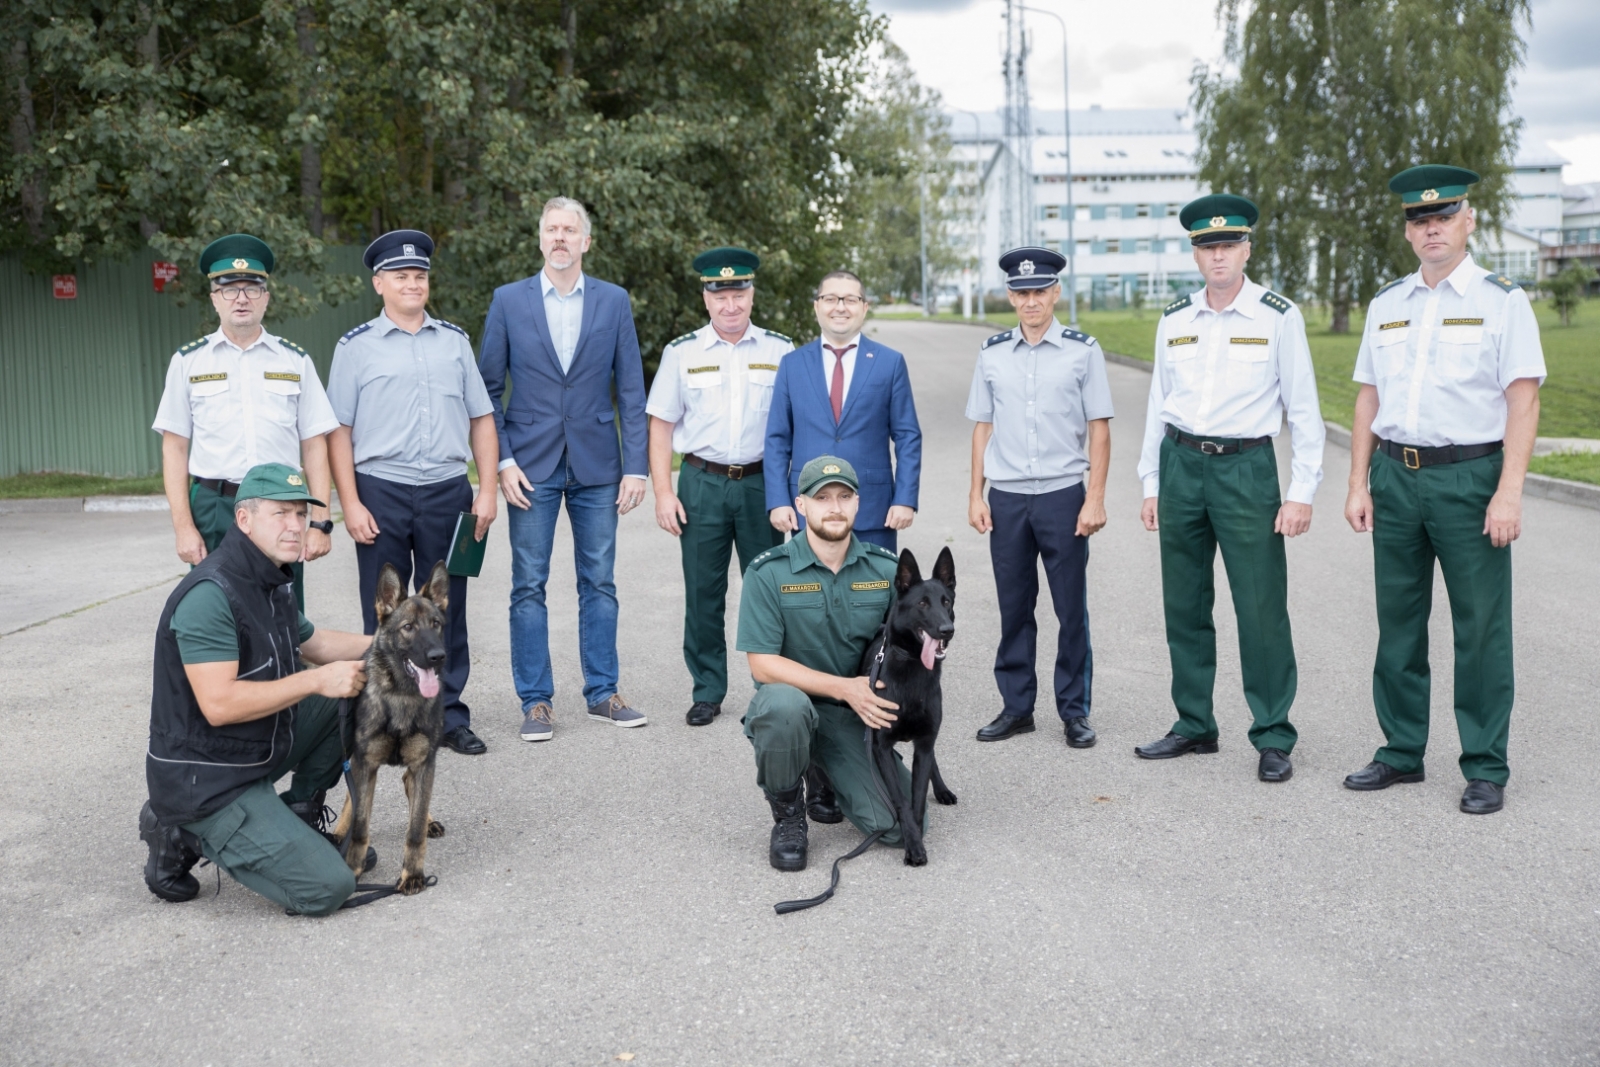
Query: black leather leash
point(366, 892)
point(873, 674)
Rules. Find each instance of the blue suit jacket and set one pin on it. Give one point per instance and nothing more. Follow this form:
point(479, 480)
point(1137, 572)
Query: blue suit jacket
point(877, 409)
point(549, 411)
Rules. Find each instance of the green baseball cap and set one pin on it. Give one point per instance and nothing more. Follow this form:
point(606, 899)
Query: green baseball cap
point(275, 481)
point(825, 470)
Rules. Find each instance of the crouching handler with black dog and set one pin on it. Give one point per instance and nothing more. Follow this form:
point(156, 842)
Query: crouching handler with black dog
point(808, 611)
point(233, 709)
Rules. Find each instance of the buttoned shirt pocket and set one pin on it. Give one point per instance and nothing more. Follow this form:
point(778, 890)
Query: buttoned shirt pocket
point(282, 395)
point(1180, 353)
point(762, 378)
point(867, 609)
point(704, 391)
point(1459, 346)
point(1247, 360)
point(1389, 350)
point(208, 392)
point(805, 616)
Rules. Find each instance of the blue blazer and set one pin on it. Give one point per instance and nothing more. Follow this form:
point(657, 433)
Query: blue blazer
point(549, 412)
point(877, 409)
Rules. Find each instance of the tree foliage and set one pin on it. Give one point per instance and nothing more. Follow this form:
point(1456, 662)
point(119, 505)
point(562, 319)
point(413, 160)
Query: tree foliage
point(1568, 288)
point(1331, 99)
point(680, 123)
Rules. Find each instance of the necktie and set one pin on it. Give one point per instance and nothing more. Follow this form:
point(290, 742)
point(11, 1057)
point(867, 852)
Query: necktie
point(836, 387)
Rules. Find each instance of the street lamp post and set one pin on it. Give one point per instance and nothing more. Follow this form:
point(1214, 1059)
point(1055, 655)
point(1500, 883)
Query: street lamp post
point(983, 199)
point(1066, 133)
point(922, 231)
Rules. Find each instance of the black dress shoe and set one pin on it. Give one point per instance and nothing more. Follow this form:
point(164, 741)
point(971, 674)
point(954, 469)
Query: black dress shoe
point(1483, 797)
point(821, 805)
point(702, 713)
point(1005, 725)
point(1079, 733)
point(1174, 744)
point(1274, 766)
point(464, 741)
point(1376, 775)
point(173, 851)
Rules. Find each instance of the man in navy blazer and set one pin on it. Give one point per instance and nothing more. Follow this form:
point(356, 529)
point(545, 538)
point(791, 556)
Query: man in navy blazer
point(565, 340)
point(845, 395)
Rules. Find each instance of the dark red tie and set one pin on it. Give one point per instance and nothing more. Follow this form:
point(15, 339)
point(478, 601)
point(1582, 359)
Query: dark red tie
point(836, 387)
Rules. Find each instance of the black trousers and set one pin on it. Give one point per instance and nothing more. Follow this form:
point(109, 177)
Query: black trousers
point(1027, 529)
point(416, 524)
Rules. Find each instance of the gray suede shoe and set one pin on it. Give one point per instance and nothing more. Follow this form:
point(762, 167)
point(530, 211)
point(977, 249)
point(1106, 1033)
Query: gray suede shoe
point(615, 711)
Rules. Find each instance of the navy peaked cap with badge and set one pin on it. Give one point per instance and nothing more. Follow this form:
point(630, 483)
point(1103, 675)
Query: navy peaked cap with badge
point(1031, 267)
point(1432, 189)
point(399, 250)
point(1220, 218)
point(727, 268)
point(236, 257)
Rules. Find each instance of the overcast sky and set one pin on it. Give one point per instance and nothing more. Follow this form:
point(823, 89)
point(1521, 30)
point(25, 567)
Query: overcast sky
point(1139, 53)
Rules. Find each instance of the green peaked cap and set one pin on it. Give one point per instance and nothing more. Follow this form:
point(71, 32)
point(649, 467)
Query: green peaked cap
point(1218, 219)
point(727, 268)
point(1432, 189)
point(236, 256)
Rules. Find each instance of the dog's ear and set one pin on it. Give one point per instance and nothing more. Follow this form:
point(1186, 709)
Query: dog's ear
point(944, 569)
point(908, 574)
point(438, 588)
point(390, 592)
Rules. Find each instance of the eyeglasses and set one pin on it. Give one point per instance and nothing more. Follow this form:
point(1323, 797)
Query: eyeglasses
point(234, 293)
point(829, 301)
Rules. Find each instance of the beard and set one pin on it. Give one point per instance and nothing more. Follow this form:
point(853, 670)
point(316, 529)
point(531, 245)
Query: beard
point(840, 529)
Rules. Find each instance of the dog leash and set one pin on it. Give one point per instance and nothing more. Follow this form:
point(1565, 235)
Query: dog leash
point(367, 892)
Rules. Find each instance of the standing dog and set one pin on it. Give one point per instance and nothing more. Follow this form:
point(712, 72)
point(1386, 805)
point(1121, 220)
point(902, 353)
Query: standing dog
point(905, 660)
point(399, 717)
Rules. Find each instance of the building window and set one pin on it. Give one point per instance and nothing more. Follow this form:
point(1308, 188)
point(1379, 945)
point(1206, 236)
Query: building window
point(1141, 211)
point(1082, 213)
point(1113, 211)
point(1113, 247)
point(1098, 211)
point(1050, 212)
point(1143, 246)
point(1097, 248)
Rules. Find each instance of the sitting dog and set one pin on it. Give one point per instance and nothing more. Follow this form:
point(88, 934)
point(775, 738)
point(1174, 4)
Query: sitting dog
point(905, 660)
point(399, 718)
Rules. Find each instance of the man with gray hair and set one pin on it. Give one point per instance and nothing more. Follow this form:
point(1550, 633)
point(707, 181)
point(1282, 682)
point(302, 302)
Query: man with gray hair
point(562, 341)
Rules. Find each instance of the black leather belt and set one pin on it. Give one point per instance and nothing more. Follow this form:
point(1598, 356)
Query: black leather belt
point(1417, 458)
point(727, 470)
point(219, 486)
point(1215, 446)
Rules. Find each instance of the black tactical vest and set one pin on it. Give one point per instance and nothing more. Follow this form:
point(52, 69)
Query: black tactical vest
point(194, 769)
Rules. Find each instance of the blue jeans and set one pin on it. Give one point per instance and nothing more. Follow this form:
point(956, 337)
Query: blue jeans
point(592, 510)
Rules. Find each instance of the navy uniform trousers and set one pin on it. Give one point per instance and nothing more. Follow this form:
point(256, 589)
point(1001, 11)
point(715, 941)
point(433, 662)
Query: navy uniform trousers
point(1027, 529)
point(417, 525)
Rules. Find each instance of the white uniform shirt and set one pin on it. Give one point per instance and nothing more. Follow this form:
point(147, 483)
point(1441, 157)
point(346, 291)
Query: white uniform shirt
point(849, 361)
point(717, 395)
point(1233, 373)
point(1442, 358)
point(242, 408)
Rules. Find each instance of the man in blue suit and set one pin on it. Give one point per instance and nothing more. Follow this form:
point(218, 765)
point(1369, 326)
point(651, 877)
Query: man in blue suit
point(847, 396)
point(565, 340)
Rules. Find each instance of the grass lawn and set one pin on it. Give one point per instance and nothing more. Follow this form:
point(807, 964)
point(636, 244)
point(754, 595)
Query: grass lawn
point(24, 486)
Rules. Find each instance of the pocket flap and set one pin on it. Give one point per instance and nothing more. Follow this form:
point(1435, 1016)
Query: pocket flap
point(281, 386)
point(1460, 335)
point(1390, 335)
point(208, 388)
point(524, 418)
point(607, 416)
point(224, 825)
point(1249, 349)
point(704, 379)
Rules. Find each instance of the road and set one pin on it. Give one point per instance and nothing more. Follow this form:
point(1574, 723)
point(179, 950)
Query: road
point(608, 893)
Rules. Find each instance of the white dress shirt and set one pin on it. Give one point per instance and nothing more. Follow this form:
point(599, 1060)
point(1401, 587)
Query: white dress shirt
point(716, 394)
point(1234, 374)
point(564, 314)
point(1442, 358)
point(849, 366)
point(240, 408)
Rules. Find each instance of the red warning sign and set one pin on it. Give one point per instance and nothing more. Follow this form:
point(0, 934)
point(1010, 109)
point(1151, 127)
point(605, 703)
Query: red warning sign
point(65, 286)
point(161, 273)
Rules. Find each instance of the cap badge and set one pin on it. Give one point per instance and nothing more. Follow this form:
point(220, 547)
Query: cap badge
point(726, 272)
point(410, 250)
point(294, 479)
point(1430, 194)
point(1025, 267)
point(831, 468)
point(1219, 220)
point(241, 264)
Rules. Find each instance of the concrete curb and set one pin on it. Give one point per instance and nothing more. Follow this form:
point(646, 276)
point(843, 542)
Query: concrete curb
point(97, 504)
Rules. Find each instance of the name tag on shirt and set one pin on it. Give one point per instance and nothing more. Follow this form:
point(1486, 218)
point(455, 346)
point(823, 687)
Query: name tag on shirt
point(196, 379)
point(1193, 339)
point(759, 366)
point(860, 586)
point(1395, 325)
point(1462, 322)
point(708, 370)
point(807, 587)
point(280, 376)
point(1247, 340)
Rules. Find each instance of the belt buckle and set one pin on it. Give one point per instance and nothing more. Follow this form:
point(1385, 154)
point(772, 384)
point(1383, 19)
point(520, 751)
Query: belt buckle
point(1411, 458)
point(1210, 448)
point(736, 471)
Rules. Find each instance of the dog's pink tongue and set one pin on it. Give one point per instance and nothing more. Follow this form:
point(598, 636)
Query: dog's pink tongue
point(428, 682)
point(930, 650)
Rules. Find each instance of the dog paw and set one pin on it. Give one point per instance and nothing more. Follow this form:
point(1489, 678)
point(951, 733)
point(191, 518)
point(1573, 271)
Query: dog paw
point(944, 797)
point(411, 883)
point(916, 856)
point(436, 828)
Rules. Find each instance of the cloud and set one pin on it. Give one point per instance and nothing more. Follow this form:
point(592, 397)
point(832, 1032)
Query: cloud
point(929, 7)
point(1564, 35)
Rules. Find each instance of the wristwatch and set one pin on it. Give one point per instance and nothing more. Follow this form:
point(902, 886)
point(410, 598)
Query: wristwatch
point(325, 525)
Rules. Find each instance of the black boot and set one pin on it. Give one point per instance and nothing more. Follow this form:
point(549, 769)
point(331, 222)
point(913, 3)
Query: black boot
point(173, 851)
point(317, 815)
point(788, 848)
point(821, 804)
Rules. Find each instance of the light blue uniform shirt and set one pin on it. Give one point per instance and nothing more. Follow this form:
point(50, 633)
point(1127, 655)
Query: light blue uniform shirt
point(408, 399)
point(564, 314)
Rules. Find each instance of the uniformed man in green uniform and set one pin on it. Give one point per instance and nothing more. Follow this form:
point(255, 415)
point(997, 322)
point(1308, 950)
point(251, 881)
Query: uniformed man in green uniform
point(709, 403)
point(237, 398)
point(809, 609)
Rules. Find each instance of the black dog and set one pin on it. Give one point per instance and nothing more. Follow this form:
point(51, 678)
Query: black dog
point(399, 717)
point(906, 659)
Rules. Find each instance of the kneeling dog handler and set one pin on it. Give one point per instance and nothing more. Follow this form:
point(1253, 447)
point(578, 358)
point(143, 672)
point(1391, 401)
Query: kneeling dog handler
point(808, 611)
point(233, 709)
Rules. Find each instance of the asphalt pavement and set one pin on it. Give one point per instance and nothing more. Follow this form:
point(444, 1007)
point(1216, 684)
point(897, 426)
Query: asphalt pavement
point(606, 896)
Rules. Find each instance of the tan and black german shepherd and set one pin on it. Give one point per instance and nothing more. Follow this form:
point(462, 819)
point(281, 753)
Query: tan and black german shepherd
point(399, 718)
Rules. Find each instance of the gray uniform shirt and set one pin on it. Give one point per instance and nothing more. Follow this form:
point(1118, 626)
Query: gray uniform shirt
point(1041, 399)
point(407, 399)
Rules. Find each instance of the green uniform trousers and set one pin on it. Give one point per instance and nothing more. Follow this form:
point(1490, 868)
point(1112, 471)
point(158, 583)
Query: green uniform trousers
point(723, 514)
point(268, 848)
point(213, 514)
point(790, 730)
point(1229, 501)
point(1419, 516)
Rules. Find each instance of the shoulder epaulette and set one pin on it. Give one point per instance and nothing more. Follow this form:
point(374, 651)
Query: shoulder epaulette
point(1501, 281)
point(363, 328)
point(1074, 335)
point(782, 337)
point(766, 557)
point(1277, 303)
point(680, 340)
point(1389, 285)
point(999, 337)
point(879, 550)
point(451, 326)
point(1176, 305)
point(291, 346)
point(192, 345)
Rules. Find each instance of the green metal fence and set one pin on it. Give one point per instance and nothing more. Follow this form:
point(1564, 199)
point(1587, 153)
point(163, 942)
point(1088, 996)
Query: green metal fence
point(80, 379)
